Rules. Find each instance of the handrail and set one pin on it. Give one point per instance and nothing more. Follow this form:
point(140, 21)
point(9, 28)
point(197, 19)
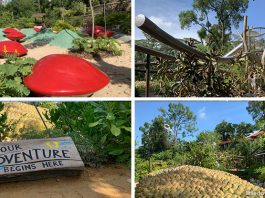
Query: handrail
point(154, 53)
point(146, 25)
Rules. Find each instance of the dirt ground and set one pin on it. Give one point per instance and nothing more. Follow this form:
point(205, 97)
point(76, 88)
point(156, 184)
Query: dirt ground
point(117, 68)
point(112, 181)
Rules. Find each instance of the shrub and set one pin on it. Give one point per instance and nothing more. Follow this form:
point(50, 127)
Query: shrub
point(5, 19)
point(261, 173)
point(75, 21)
point(116, 20)
point(24, 23)
point(99, 44)
point(12, 73)
point(99, 128)
point(60, 25)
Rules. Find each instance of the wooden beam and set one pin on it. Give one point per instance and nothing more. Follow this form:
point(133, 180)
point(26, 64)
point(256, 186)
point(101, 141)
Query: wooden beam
point(39, 158)
point(144, 64)
point(147, 75)
point(153, 30)
point(143, 70)
point(154, 53)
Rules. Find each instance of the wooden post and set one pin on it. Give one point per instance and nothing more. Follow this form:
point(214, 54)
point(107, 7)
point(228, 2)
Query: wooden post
point(147, 75)
point(245, 41)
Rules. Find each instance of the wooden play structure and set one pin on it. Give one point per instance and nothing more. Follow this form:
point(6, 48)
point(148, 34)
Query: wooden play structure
point(251, 49)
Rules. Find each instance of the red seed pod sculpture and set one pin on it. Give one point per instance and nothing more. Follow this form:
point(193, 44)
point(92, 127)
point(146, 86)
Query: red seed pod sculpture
point(15, 36)
point(9, 30)
point(65, 75)
point(13, 48)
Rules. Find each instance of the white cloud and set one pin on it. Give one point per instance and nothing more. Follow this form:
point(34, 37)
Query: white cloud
point(161, 22)
point(202, 113)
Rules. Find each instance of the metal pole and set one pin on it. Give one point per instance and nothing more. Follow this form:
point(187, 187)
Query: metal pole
point(147, 75)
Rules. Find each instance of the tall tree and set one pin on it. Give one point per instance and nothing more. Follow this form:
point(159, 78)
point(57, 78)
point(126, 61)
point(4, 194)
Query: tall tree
point(234, 132)
point(155, 138)
point(180, 120)
point(225, 129)
point(257, 110)
point(227, 13)
point(22, 8)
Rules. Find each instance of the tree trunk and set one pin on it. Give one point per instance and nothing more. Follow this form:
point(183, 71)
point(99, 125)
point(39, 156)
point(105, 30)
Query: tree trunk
point(222, 34)
point(93, 20)
point(149, 165)
point(39, 6)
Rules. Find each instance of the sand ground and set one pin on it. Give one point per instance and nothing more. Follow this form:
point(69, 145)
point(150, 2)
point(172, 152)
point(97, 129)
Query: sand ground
point(118, 68)
point(112, 181)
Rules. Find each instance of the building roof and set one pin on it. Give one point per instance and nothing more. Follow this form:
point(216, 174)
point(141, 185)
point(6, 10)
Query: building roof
point(226, 142)
point(256, 134)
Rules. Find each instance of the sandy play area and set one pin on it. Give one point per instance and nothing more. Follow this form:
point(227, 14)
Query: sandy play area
point(118, 68)
point(112, 181)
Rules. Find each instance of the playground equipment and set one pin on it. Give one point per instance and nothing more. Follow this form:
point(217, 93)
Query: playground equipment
point(65, 75)
point(249, 49)
point(12, 48)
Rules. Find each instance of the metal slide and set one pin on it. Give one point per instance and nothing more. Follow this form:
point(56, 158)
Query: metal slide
point(146, 25)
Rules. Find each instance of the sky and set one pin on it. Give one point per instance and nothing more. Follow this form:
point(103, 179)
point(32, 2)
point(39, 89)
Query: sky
point(208, 114)
point(165, 14)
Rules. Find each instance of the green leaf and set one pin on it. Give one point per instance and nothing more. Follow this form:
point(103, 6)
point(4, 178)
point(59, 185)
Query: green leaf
point(115, 130)
point(116, 151)
point(93, 124)
point(9, 70)
point(120, 122)
point(25, 70)
point(103, 139)
point(110, 116)
point(126, 128)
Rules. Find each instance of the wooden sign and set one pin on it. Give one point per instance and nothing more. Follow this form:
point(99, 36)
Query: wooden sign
point(39, 158)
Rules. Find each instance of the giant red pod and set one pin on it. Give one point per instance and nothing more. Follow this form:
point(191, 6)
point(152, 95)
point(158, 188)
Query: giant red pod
point(15, 36)
point(97, 30)
point(108, 34)
point(12, 47)
point(65, 75)
point(9, 30)
point(37, 29)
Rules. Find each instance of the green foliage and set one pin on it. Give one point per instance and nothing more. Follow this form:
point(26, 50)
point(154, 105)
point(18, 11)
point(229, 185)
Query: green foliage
point(32, 134)
point(257, 110)
point(154, 139)
point(180, 120)
point(103, 128)
point(47, 105)
point(227, 12)
point(12, 73)
point(141, 167)
point(22, 8)
point(75, 21)
point(4, 127)
point(61, 25)
point(248, 150)
point(201, 155)
point(24, 22)
point(116, 20)
point(5, 18)
point(261, 174)
point(234, 132)
point(109, 45)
